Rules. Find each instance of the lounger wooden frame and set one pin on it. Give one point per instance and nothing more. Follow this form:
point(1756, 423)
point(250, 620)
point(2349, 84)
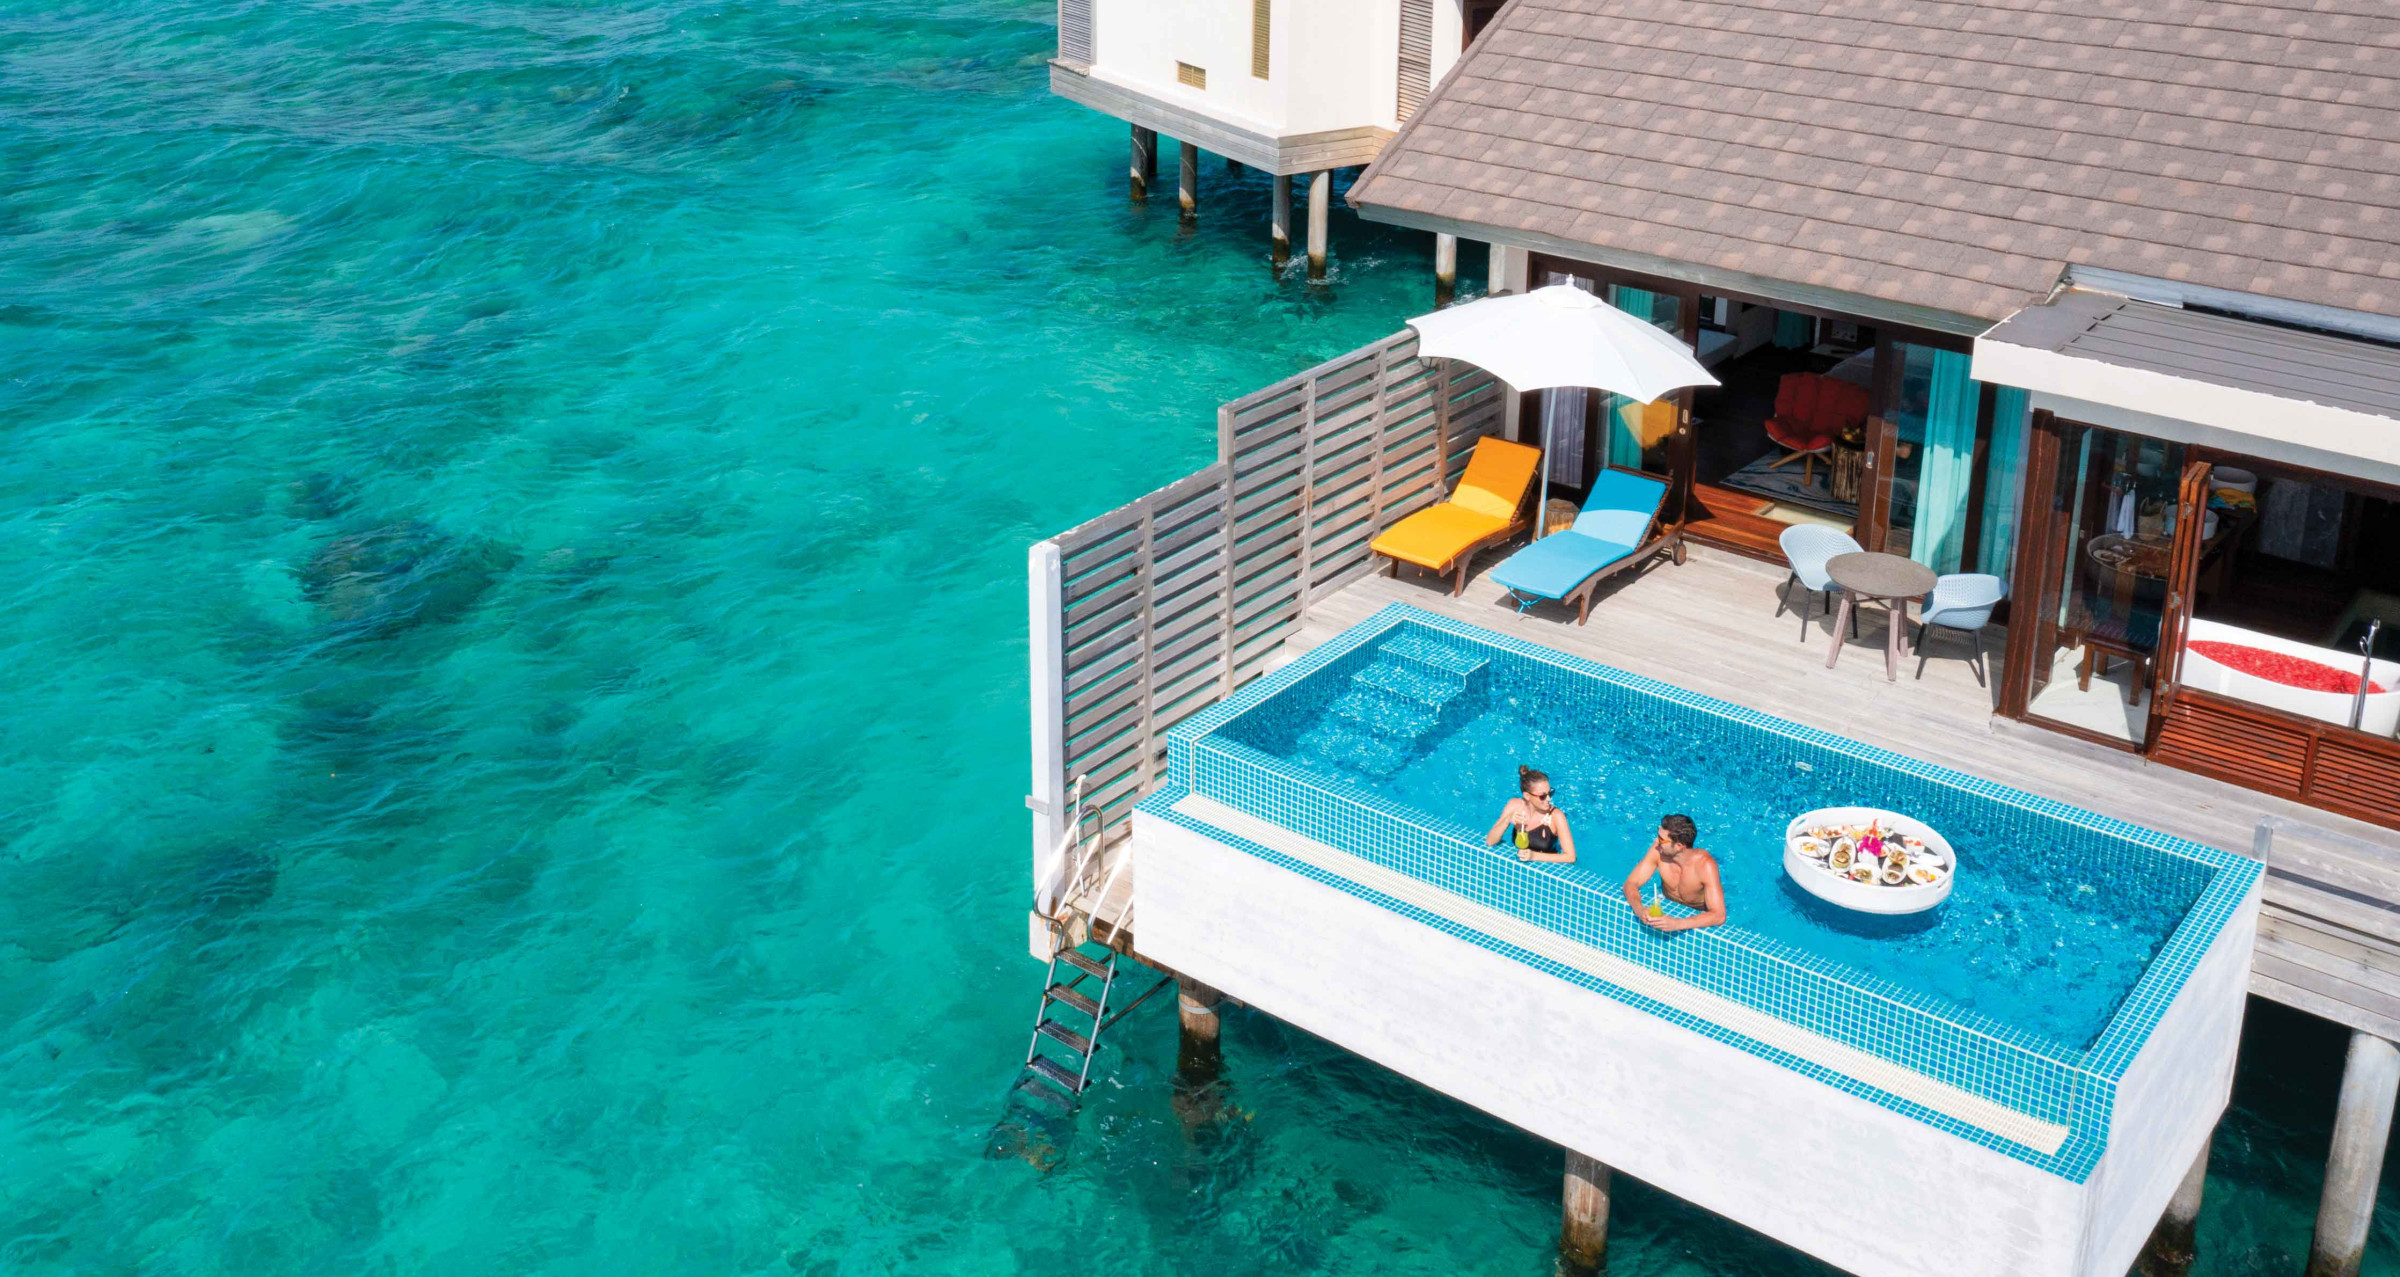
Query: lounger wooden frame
point(1666, 542)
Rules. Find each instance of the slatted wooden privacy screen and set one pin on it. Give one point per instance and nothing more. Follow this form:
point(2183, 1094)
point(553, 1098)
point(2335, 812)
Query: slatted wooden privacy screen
point(1166, 605)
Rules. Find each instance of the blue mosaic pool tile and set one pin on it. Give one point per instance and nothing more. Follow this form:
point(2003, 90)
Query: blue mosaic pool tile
point(2020, 1070)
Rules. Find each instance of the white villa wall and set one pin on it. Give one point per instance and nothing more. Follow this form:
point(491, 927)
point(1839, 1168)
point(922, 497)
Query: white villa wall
point(1346, 69)
point(1138, 43)
point(1766, 1147)
point(1334, 64)
point(2169, 1101)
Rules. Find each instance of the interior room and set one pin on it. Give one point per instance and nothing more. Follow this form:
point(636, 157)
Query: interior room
point(2294, 570)
point(1784, 437)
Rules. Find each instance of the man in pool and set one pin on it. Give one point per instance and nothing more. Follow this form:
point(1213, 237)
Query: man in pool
point(1685, 873)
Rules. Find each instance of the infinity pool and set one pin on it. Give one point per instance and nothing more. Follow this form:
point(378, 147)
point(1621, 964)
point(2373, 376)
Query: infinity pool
point(2053, 921)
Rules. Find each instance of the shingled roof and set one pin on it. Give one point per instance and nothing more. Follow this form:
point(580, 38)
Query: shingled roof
point(1952, 155)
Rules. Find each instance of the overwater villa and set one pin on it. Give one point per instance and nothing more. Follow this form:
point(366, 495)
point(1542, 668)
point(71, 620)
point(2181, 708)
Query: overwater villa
point(2057, 355)
point(1293, 90)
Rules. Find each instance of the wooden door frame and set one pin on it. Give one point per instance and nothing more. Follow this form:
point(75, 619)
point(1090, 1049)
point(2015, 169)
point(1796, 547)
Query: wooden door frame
point(2037, 509)
point(1970, 549)
point(1872, 523)
point(2183, 576)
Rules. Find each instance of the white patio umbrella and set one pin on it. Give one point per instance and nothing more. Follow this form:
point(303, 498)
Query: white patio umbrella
point(1560, 337)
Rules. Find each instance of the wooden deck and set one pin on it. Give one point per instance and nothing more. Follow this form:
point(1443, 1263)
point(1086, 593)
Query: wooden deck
point(2329, 942)
point(1733, 520)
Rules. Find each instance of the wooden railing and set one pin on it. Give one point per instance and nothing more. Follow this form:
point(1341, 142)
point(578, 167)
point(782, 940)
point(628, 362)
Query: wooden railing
point(1159, 608)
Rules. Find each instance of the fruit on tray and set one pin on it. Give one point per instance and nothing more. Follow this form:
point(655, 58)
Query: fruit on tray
point(1871, 854)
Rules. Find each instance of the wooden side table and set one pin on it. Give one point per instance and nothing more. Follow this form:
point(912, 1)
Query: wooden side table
point(1843, 472)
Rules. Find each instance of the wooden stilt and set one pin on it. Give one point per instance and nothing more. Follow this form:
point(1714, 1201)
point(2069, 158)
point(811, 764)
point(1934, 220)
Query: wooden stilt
point(1145, 162)
point(2362, 1125)
point(1232, 165)
point(1198, 1057)
point(1495, 275)
point(1583, 1216)
point(1320, 208)
point(1199, 1095)
point(2173, 1244)
point(1445, 269)
point(1187, 183)
point(1279, 220)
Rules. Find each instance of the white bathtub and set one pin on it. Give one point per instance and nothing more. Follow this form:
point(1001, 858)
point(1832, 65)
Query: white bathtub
point(2383, 710)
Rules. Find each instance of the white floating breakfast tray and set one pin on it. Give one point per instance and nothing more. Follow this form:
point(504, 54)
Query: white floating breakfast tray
point(1815, 879)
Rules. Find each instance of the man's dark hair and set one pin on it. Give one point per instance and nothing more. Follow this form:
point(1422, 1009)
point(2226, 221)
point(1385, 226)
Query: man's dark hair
point(1682, 830)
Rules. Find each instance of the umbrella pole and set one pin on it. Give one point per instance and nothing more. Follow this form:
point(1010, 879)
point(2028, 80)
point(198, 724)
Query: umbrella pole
point(1541, 509)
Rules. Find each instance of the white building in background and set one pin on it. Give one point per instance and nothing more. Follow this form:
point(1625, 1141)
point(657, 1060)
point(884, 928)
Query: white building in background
point(1290, 87)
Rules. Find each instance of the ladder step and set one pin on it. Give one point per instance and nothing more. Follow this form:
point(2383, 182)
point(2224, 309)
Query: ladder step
point(1089, 966)
point(1061, 993)
point(1064, 1036)
point(1037, 1095)
point(1052, 1071)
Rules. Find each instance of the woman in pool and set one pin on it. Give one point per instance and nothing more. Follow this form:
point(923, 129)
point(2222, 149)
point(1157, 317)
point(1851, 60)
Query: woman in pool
point(1538, 829)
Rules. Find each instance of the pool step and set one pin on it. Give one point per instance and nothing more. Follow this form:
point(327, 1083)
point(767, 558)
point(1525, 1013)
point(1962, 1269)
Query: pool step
point(1346, 746)
point(1380, 712)
point(1448, 660)
point(1412, 682)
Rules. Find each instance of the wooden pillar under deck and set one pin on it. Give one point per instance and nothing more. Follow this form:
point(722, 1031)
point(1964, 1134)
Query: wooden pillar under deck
point(1198, 1057)
point(1279, 220)
point(1144, 169)
point(1187, 183)
point(1445, 269)
point(2362, 1125)
point(1320, 208)
point(2173, 1244)
point(1583, 1216)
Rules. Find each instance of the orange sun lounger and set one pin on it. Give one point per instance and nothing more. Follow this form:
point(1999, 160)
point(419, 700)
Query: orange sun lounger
point(1484, 510)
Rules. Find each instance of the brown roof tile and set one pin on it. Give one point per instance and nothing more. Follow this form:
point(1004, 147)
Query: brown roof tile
point(1952, 154)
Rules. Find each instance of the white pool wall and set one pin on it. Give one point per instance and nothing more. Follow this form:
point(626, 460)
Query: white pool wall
point(2169, 1099)
point(1770, 1148)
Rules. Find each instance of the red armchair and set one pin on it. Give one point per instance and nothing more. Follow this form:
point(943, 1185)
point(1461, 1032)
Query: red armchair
point(1811, 411)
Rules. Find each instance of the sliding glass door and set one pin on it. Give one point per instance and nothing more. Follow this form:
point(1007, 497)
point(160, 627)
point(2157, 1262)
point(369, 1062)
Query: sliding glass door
point(2098, 595)
point(1954, 452)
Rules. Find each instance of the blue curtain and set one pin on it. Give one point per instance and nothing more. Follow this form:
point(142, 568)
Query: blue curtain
point(2004, 480)
point(1624, 445)
point(1948, 467)
point(1791, 330)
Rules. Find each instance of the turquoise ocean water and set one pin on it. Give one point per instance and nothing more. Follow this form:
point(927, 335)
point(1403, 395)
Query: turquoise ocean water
point(512, 528)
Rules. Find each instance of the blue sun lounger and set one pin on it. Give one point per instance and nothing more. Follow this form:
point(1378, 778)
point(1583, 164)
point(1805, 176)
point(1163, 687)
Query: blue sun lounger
point(1614, 532)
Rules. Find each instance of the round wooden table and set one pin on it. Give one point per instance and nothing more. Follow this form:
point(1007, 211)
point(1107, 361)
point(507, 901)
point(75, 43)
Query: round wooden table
point(1886, 578)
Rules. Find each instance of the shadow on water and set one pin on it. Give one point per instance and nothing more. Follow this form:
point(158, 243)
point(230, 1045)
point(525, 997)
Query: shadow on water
point(1850, 922)
point(377, 583)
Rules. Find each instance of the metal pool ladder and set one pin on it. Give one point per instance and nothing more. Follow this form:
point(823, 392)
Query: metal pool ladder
point(1092, 984)
point(1075, 995)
